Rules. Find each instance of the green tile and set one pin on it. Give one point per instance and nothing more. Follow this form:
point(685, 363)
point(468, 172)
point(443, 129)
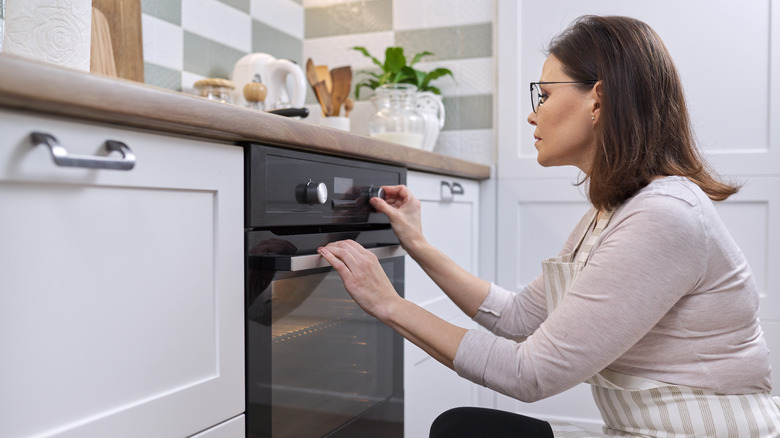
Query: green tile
point(266, 39)
point(209, 58)
point(472, 41)
point(168, 10)
point(241, 5)
point(300, 2)
point(349, 18)
point(468, 112)
point(162, 77)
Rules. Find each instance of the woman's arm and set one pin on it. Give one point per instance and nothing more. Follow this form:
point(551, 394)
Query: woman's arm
point(464, 289)
point(369, 286)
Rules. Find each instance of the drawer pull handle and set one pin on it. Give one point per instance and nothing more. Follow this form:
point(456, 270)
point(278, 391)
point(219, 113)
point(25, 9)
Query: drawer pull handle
point(448, 191)
point(62, 158)
point(313, 261)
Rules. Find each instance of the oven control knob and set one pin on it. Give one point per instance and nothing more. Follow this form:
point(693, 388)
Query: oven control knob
point(376, 192)
point(316, 193)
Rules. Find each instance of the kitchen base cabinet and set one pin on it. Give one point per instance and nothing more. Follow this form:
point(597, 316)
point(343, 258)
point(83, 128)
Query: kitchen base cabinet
point(233, 428)
point(450, 215)
point(122, 290)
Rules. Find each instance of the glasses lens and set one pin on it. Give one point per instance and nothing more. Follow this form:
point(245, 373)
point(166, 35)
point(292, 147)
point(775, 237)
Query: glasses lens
point(534, 97)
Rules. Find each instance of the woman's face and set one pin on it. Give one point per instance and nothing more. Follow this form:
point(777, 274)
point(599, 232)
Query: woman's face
point(565, 130)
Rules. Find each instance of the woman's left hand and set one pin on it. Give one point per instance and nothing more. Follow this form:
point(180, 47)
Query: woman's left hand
point(363, 276)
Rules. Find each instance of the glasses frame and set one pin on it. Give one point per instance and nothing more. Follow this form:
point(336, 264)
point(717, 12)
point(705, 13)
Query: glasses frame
point(535, 108)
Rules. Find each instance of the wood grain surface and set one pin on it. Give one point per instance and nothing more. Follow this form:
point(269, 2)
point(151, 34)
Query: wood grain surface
point(101, 57)
point(124, 20)
point(49, 89)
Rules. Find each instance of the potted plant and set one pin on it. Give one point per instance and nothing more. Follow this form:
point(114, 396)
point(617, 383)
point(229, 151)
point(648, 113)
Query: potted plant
point(394, 70)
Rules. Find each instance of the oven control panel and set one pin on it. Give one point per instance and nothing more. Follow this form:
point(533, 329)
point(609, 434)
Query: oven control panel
point(293, 188)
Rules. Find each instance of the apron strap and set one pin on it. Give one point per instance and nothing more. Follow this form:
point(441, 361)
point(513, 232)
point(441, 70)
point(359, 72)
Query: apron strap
point(584, 252)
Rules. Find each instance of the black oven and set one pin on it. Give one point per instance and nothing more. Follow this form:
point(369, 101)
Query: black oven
point(316, 364)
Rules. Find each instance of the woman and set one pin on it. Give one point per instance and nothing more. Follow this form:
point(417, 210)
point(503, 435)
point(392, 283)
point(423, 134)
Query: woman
point(650, 300)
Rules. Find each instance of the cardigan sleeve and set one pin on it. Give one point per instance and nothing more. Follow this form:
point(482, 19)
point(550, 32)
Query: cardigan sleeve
point(651, 254)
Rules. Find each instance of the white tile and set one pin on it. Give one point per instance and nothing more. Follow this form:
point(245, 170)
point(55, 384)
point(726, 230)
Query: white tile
point(219, 22)
point(188, 80)
point(336, 51)
point(477, 145)
point(284, 15)
point(472, 76)
point(163, 42)
point(422, 14)
point(325, 3)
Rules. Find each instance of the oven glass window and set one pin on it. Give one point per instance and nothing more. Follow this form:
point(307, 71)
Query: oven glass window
point(322, 361)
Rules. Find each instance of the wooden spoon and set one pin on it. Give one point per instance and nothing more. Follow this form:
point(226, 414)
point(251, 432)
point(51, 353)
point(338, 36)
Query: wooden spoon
point(324, 75)
point(311, 73)
point(342, 81)
point(323, 97)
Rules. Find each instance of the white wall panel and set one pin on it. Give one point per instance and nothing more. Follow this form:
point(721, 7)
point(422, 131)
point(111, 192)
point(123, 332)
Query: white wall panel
point(534, 220)
point(726, 75)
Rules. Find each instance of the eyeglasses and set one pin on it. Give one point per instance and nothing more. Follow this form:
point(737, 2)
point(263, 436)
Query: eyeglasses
point(537, 98)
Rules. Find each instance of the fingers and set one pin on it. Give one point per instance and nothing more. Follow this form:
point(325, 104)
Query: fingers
point(334, 261)
point(396, 195)
point(343, 254)
point(382, 206)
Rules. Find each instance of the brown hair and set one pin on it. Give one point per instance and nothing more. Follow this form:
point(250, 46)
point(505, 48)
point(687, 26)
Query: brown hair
point(643, 129)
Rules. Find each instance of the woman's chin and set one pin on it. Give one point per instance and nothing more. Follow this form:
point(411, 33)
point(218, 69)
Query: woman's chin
point(544, 162)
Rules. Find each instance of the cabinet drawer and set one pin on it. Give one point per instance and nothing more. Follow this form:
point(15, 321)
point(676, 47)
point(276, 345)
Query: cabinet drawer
point(122, 289)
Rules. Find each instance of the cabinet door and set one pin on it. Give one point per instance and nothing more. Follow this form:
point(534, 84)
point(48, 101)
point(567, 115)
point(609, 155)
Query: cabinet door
point(122, 291)
point(233, 428)
point(450, 222)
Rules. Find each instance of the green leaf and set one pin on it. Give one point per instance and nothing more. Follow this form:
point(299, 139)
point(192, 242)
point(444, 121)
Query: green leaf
point(419, 56)
point(365, 53)
point(367, 83)
point(394, 59)
point(435, 74)
point(394, 70)
point(433, 90)
point(439, 72)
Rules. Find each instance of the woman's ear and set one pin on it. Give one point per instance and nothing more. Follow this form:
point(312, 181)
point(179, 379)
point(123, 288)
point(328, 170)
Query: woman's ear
point(595, 95)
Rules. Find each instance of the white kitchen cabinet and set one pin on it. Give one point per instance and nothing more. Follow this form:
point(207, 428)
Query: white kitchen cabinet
point(450, 216)
point(121, 299)
point(235, 427)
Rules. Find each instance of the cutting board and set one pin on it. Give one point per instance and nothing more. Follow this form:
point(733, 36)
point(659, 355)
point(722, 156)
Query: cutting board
point(101, 56)
point(124, 22)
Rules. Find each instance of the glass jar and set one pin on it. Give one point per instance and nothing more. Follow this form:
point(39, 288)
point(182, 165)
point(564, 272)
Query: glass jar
point(215, 89)
point(397, 119)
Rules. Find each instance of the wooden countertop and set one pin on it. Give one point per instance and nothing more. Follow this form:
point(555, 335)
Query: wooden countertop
point(45, 88)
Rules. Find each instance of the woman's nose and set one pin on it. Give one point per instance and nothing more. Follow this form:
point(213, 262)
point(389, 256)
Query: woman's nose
point(532, 118)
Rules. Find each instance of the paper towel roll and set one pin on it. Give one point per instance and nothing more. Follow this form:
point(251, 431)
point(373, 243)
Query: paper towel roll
point(55, 31)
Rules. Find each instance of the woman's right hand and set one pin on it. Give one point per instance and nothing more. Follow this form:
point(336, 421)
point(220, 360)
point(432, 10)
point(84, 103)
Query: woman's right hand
point(403, 209)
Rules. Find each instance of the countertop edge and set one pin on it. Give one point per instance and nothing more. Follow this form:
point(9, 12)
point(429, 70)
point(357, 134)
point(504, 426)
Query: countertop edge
point(45, 88)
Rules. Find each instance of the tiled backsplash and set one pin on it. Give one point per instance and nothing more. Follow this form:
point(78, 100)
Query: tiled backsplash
point(458, 32)
point(186, 40)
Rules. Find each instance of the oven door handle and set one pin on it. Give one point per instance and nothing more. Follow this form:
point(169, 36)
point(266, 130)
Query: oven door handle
point(314, 261)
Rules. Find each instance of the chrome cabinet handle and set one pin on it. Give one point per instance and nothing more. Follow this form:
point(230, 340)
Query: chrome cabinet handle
point(448, 191)
point(63, 158)
point(314, 261)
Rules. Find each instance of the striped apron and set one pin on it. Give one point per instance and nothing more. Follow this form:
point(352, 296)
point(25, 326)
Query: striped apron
point(633, 406)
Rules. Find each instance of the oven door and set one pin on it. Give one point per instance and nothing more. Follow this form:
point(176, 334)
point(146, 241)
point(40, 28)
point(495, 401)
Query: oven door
point(317, 364)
